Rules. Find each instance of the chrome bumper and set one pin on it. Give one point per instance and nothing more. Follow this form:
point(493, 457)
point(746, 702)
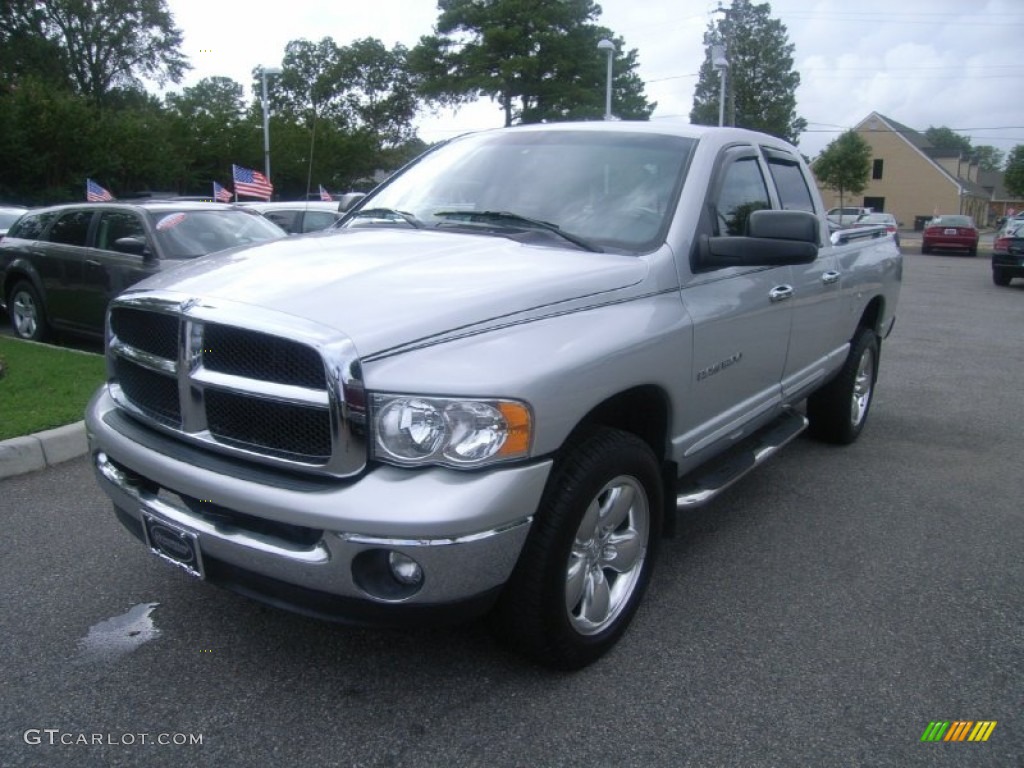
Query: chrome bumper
point(464, 529)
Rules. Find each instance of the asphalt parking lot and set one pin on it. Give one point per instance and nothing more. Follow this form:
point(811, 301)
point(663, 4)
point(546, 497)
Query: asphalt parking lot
point(823, 612)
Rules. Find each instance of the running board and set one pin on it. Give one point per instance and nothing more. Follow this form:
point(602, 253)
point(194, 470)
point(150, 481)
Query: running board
point(700, 487)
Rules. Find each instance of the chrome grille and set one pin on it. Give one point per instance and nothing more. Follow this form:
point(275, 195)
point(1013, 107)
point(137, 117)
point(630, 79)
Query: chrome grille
point(155, 393)
point(279, 429)
point(240, 381)
point(262, 356)
point(148, 331)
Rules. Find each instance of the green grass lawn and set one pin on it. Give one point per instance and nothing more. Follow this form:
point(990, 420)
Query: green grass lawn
point(44, 387)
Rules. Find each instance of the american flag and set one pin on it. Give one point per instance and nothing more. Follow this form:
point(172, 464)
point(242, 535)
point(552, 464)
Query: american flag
point(251, 183)
point(94, 193)
point(325, 195)
point(221, 194)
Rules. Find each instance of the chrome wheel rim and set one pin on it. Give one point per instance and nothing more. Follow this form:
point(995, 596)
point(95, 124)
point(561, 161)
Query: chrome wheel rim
point(862, 386)
point(607, 556)
point(24, 313)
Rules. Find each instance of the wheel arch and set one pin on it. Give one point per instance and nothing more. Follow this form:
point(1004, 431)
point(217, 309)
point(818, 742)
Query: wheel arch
point(644, 411)
point(20, 270)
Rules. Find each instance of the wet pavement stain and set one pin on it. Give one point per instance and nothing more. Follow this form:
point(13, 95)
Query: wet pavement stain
point(112, 638)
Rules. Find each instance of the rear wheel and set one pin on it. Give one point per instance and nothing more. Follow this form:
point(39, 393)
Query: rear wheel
point(926, 249)
point(838, 411)
point(1000, 276)
point(589, 555)
point(26, 311)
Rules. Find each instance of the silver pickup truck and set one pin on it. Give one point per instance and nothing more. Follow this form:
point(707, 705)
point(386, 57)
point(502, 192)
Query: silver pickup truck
point(496, 384)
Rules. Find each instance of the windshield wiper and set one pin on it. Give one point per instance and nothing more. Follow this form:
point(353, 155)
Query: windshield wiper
point(514, 218)
point(407, 217)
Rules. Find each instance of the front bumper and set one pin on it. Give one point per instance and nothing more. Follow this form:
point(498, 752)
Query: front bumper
point(1012, 263)
point(316, 545)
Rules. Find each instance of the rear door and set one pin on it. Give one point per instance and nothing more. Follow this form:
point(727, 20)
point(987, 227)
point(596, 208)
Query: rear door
point(61, 265)
point(816, 302)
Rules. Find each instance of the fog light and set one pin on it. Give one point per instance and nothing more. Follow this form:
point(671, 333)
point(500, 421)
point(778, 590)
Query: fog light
point(404, 569)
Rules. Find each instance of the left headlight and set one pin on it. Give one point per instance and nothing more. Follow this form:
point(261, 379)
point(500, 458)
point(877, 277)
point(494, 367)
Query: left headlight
point(414, 430)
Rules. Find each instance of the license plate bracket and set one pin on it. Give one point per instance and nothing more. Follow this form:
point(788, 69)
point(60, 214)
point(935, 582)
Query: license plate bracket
point(174, 544)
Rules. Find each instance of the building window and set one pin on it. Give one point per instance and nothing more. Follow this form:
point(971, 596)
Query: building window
point(876, 169)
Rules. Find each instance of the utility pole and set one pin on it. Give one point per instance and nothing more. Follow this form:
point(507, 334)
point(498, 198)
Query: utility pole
point(727, 83)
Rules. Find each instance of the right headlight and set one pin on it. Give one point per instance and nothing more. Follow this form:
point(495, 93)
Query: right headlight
point(414, 430)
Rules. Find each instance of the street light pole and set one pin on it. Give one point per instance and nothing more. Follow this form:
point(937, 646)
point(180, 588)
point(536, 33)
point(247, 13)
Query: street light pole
point(721, 65)
point(608, 47)
point(264, 71)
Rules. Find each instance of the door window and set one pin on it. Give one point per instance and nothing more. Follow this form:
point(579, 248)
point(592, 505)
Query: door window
point(71, 228)
point(743, 191)
point(117, 224)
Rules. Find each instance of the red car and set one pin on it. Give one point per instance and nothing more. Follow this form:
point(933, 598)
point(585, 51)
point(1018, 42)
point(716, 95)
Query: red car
point(951, 231)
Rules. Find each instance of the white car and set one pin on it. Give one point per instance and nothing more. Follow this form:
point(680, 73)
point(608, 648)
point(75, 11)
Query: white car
point(846, 216)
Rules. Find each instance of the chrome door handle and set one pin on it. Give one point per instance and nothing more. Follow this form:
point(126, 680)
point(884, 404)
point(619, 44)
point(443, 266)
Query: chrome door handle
point(780, 293)
point(830, 277)
point(92, 263)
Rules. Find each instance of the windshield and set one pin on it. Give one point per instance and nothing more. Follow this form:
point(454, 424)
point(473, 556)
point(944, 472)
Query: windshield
point(610, 190)
point(953, 221)
point(192, 233)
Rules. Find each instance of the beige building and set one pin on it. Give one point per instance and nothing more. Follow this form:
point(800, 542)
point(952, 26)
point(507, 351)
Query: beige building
point(912, 179)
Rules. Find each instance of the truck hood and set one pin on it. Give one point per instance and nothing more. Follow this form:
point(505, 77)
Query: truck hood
point(388, 287)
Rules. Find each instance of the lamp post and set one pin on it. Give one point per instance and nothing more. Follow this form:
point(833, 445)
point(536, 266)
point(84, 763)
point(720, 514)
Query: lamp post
point(264, 71)
point(721, 65)
point(608, 47)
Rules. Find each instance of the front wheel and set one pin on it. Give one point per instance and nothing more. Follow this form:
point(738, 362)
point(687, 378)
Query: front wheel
point(589, 555)
point(26, 311)
point(838, 411)
point(1000, 276)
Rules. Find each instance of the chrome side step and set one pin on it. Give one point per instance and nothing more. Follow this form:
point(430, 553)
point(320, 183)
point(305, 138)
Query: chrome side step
point(700, 487)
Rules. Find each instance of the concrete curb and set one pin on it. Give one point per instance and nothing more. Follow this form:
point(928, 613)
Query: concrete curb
point(21, 455)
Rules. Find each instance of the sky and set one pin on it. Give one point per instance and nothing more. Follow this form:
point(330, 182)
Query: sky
point(953, 63)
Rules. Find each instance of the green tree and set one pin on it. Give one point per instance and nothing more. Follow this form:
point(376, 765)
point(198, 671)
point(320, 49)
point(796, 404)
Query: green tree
point(844, 165)
point(1013, 178)
point(100, 45)
point(207, 122)
point(761, 81)
point(989, 158)
point(946, 138)
point(536, 58)
point(379, 92)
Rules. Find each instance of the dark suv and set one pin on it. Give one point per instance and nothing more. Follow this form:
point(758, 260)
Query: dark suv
point(60, 266)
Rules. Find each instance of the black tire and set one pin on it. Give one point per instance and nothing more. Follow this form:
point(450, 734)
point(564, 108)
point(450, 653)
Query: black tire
point(571, 595)
point(973, 252)
point(28, 318)
point(925, 249)
point(1000, 277)
point(838, 411)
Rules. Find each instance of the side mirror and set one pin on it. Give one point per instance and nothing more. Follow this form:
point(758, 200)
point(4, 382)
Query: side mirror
point(774, 239)
point(136, 246)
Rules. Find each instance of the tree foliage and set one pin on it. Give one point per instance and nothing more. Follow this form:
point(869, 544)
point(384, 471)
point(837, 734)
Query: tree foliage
point(92, 46)
point(1013, 179)
point(946, 138)
point(989, 158)
point(761, 82)
point(844, 165)
point(536, 58)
